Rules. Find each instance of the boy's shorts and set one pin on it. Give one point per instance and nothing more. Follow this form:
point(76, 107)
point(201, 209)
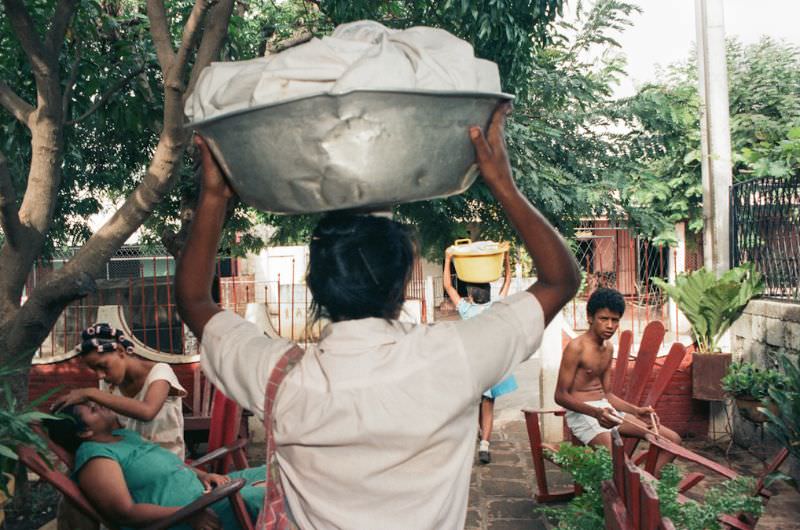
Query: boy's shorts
point(586, 428)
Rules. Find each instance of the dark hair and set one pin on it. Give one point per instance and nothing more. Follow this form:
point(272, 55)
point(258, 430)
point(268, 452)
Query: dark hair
point(102, 338)
point(605, 298)
point(359, 266)
point(65, 431)
point(480, 293)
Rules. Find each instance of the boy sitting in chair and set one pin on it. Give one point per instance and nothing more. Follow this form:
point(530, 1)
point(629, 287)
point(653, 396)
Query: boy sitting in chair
point(584, 382)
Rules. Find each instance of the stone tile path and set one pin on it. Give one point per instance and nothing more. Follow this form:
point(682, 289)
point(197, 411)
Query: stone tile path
point(500, 493)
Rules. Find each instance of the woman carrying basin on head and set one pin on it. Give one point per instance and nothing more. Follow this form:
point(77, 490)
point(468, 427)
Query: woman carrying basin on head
point(375, 425)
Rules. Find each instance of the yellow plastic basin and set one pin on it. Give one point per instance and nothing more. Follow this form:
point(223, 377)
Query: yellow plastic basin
point(478, 262)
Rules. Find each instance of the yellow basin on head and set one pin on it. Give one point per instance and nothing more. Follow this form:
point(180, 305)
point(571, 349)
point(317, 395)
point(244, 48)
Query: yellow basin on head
point(478, 262)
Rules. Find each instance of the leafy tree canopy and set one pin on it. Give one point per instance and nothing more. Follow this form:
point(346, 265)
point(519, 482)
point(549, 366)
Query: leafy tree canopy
point(764, 94)
point(567, 158)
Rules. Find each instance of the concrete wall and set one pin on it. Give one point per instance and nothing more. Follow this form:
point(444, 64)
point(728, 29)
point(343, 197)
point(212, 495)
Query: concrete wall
point(766, 327)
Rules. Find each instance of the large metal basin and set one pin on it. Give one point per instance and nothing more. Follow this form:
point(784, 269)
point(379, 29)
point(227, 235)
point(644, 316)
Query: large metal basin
point(361, 149)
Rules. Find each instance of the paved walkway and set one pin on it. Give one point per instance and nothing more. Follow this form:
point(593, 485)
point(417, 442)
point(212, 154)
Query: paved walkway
point(500, 493)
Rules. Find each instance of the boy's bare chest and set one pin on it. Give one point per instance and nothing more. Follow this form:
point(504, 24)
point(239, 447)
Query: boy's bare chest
point(595, 364)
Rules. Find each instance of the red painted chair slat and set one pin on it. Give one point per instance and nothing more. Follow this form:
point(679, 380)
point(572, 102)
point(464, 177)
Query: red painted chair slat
point(623, 356)
point(635, 494)
point(650, 508)
point(652, 337)
point(614, 512)
point(670, 365)
point(632, 491)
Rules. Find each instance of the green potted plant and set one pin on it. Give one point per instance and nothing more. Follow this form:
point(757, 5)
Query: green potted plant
point(712, 304)
point(16, 421)
point(749, 385)
point(785, 425)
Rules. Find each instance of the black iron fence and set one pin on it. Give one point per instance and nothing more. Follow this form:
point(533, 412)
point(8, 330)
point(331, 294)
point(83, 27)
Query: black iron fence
point(765, 230)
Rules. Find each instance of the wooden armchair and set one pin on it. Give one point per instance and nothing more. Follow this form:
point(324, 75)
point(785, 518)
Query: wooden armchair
point(73, 495)
point(652, 338)
point(741, 521)
point(629, 500)
point(222, 418)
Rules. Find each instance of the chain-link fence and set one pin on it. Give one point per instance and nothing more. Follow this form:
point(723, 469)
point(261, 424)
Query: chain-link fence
point(765, 230)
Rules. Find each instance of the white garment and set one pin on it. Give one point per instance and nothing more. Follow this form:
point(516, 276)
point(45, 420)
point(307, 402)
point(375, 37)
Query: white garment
point(166, 429)
point(358, 55)
point(586, 428)
point(375, 427)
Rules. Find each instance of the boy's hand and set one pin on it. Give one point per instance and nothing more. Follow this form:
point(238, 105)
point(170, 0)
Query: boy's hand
point(607, 418)
point(214, 182)
point(648, 416)
point(490, 150)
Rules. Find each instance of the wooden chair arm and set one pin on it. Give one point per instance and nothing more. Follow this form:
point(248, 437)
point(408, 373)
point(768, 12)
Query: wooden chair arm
point(219, 453)
point(728, 521)
point(557, 412)
point(218, 493)
point(687, 454)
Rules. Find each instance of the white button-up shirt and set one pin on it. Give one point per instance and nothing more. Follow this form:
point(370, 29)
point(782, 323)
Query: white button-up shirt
point(375, 427)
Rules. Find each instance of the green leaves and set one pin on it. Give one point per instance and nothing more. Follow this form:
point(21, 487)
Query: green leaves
point(589, 467)
point(764, 93)
point(712, 304)
point(16, 420)
point(745, 379)
point(785, 425)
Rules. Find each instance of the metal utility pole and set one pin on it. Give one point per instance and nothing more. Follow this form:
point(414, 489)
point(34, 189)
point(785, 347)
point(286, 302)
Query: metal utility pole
point(715, 133)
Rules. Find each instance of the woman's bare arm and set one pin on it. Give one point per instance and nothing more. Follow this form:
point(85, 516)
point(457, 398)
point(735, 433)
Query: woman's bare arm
point(557, 271)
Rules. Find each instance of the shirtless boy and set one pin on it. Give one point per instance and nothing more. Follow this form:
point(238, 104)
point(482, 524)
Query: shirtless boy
point(584, 381)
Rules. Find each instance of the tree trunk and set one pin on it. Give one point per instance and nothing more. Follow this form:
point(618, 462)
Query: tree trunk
point(23, 328)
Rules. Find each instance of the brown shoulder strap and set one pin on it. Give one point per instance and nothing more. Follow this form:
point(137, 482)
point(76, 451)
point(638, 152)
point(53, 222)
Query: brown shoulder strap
point(273, 513)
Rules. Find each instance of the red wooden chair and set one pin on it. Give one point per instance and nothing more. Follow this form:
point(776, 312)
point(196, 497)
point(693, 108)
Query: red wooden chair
point(224, 432)
point(72, 493)
point(629, 500)
point(740, 521)
point(215, 413)
point(197, 416)
point(652, 337)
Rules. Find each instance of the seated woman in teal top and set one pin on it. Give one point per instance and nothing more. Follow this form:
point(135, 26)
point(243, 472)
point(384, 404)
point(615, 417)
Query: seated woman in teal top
point(135, 482)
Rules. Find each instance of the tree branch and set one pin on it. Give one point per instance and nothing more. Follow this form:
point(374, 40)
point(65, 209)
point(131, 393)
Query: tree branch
point(159, 30)
point(17, 106)
point(9, 214)
point(61, 18)
point(70, 85)
point(25, 30)
point(215, 32)
point(190, 30)
point(301, 38)
point(108, 94)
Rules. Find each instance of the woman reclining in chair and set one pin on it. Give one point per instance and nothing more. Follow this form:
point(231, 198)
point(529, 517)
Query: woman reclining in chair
point(135, 482)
